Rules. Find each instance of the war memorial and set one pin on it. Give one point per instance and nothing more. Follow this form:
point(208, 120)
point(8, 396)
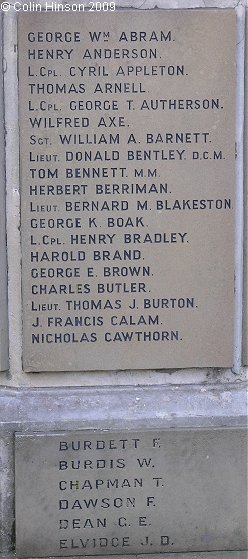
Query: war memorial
point(123, 268)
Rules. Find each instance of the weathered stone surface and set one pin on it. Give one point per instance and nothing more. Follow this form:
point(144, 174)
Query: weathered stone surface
point(4, 362)
point(198, 555)
point(245, 309)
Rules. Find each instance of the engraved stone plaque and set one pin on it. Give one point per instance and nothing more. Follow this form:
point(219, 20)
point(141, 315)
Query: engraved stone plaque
point(92, 493)
point(127, 128)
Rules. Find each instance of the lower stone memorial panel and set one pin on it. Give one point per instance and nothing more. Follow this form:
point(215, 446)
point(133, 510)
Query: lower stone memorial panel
point(101, 492)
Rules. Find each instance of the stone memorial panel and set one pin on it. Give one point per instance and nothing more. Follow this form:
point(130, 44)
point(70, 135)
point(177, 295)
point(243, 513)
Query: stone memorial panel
point(92, 493)
point(127, 129)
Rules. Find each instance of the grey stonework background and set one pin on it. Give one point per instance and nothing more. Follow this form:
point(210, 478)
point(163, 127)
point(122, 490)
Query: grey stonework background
point(132, 399)
point(15, 376)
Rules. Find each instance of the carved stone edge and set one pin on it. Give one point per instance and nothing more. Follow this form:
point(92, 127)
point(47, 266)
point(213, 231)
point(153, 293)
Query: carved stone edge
point(126, 406)
point(245, 284)
point(4, 360)
point(189, 555)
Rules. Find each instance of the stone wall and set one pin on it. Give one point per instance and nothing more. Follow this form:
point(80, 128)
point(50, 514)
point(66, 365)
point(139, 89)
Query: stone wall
point(198, 398)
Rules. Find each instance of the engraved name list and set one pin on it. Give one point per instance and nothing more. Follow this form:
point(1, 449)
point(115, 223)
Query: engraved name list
point(127, 153)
